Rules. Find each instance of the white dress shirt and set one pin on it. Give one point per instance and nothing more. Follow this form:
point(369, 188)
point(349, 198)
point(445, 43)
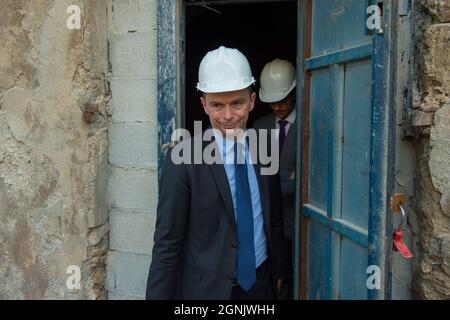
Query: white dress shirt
point(290, 121)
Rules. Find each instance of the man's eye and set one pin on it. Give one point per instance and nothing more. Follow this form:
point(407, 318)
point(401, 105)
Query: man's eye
point(237, 104)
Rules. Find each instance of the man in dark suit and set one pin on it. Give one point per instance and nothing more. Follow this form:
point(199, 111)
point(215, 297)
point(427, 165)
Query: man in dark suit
point(219, 226)
point(278, 80)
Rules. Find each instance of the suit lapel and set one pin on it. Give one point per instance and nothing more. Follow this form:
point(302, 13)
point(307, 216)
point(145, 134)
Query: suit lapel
point(271, 124)
point(263, 195)
point(290, 139)
point(220, 176)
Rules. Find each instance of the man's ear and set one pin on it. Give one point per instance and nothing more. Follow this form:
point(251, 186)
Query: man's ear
point(252, 100)
point(203, 101)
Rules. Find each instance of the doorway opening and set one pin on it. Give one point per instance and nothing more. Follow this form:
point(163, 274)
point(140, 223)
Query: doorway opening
point(335, 69)
point(261, 30)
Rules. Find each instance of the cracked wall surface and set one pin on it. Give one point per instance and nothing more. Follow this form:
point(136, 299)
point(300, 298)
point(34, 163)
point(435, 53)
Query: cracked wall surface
point(432, 180)
point(53, 165)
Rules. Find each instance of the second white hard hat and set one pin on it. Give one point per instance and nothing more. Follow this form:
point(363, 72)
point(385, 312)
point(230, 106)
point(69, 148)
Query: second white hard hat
point(278, 78)
point(224, 70)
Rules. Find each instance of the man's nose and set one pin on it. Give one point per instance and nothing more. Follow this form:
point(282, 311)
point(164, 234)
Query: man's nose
point(227, 114)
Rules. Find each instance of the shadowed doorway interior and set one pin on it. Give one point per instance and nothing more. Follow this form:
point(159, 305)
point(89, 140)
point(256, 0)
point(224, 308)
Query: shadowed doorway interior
point(261, 31)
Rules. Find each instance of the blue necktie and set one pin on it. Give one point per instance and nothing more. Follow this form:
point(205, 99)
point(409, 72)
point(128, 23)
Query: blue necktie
point(246, 264)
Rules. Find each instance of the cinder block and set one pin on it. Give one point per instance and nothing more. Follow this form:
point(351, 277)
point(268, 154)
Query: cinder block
point(127, 273)
point(133, 55)
point(132, 16)
point(134, 100)
point(133, 144)
point(132, 231)
point(135, 189)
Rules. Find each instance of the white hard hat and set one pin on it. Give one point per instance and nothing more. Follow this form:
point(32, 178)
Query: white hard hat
point(224, 70)
point(278, 78)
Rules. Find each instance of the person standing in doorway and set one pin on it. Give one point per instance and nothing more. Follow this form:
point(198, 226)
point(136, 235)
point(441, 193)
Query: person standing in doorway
point(278, 81)
point(219, 229)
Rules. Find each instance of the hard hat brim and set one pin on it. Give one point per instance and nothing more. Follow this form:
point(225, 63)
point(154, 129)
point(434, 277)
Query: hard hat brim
point(211, 88)
point(275, 97)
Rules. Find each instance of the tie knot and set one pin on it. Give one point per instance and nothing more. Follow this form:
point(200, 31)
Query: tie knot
point(239, 153)
point(282, 123)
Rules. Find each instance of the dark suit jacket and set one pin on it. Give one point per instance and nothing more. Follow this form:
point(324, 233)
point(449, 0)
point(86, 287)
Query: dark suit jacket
point(287, 172)
point(195, 241)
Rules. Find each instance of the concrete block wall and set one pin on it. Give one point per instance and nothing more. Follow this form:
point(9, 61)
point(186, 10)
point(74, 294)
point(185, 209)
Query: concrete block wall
point(133, 139)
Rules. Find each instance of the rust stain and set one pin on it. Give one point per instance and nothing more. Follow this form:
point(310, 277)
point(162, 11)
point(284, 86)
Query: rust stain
point(35, 279)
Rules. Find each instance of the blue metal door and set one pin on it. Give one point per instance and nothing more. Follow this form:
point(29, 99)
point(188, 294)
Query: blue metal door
point(344, 153)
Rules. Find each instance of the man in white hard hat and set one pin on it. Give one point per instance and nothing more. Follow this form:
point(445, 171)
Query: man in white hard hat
point(278, 81)
point(219, 227)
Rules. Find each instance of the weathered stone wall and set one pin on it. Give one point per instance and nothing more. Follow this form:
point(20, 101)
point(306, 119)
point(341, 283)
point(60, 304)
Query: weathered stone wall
point(432, 186)
point(53, 165)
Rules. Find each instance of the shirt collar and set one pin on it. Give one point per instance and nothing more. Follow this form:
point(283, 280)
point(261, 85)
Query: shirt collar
point(226, 144)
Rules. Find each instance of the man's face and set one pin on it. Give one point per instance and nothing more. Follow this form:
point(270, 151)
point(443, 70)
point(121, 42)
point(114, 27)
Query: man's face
point(284, 107)
point(228, 111)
